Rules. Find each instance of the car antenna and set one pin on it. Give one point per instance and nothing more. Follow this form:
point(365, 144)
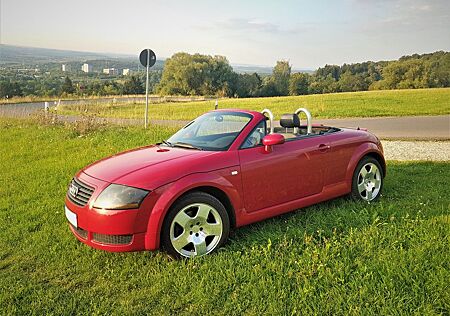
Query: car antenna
point(216, 106)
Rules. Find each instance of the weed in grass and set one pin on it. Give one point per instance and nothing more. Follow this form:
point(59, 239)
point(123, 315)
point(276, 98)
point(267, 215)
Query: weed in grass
point(86, 124)
point(83, 125)
point(46, 118)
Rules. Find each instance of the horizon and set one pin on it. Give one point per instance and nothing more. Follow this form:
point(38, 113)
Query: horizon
point(336, 33)
point(163, 58)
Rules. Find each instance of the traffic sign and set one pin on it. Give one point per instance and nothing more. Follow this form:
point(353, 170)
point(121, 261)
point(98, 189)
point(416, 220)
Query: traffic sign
point(147, 56)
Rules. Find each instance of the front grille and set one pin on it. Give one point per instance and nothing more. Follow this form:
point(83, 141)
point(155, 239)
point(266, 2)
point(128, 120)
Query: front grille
point(112, 239)
point(80, 231)
point(79, 192)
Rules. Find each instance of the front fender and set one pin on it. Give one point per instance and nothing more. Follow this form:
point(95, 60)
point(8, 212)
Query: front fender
point(361, 151)
point(169, 193)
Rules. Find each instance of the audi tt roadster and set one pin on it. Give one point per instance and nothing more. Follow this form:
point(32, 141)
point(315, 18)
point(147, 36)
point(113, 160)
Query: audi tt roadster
point(223, 170)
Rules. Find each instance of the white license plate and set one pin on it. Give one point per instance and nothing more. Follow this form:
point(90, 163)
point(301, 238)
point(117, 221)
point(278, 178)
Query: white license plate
point(71, 217)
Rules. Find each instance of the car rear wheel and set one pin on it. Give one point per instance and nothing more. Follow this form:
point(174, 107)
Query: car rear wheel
point(367, 180)
point(196, 225)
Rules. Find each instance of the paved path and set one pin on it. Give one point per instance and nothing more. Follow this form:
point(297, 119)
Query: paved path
point(405, 127)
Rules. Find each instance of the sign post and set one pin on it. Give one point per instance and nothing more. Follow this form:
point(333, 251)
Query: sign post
point(147, 59)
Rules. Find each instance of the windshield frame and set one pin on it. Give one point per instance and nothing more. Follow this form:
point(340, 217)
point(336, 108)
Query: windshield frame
point(221, 112)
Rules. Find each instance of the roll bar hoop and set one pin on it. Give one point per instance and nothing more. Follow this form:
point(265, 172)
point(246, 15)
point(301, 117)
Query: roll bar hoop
point(267, 111)
point(308, 120)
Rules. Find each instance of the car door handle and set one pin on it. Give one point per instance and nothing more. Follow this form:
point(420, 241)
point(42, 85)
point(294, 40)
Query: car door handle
point(323, 147)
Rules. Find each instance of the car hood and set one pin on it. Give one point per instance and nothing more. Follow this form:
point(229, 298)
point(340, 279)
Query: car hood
point(153, 166)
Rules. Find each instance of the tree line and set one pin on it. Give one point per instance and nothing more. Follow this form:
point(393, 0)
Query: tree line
point(197, 74)
point(54, 86)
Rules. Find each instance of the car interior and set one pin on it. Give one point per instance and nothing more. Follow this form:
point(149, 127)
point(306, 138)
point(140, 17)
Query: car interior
point(291, 128)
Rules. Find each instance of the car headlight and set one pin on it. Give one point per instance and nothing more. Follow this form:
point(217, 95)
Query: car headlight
point(120, 197)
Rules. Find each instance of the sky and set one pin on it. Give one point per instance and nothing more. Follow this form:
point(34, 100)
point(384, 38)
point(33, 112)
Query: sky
point(309, 34)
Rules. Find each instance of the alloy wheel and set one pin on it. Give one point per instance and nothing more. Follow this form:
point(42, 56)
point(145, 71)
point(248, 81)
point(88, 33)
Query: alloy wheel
point(369, 181)
point(196, 230)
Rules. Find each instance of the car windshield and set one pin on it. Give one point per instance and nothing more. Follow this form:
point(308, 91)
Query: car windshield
point(213, 131)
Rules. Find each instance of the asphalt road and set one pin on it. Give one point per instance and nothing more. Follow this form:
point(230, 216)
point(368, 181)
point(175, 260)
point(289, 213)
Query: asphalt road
point(404, 127)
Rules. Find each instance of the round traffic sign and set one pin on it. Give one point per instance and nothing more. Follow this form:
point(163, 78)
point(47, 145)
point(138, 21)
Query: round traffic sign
point(147, 55)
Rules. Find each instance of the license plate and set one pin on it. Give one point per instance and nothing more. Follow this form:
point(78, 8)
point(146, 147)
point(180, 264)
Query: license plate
point(71, 217)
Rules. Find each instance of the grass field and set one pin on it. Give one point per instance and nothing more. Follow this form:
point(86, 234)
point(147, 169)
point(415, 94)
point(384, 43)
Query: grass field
point(29, 99)
point(339, 257)
point(336, 105)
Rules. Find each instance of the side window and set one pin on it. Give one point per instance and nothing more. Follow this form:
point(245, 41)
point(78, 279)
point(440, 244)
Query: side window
point(255, 137)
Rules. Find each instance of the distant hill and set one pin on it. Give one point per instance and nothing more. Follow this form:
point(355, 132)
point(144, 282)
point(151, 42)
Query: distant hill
point(33, 55)
point(264, 70)
point(10, 54)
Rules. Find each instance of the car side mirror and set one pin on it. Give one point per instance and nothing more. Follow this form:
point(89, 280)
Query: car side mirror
point(272, 139)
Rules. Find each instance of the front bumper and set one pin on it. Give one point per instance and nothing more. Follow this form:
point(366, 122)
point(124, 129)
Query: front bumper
point(111, 230)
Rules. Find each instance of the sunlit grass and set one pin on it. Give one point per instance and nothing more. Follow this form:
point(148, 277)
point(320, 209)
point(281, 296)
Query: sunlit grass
point(336, 105)
point(338, 257)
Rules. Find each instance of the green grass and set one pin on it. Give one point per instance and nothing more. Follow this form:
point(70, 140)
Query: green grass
point(336, 105)
point(29, 99)
point(338, 257)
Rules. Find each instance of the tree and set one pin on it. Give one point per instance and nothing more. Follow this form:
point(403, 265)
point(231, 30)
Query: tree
point(110, 88)
point(268, 88)
point(281, 74)
point(10, 89)
point(349, 82)
point(299, 83)
point(67, 87)
point(248, 85)
point(197, 74)
point(133, 85)
point(323, 85)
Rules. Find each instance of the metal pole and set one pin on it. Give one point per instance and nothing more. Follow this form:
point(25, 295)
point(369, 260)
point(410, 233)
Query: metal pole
point(146, 90)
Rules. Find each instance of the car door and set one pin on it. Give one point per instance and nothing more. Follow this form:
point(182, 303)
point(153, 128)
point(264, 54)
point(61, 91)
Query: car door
point(342, 149)
point(290, 171)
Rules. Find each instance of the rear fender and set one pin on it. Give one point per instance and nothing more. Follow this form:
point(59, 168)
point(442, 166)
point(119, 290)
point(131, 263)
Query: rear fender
point(169, 193)
point(361, 151)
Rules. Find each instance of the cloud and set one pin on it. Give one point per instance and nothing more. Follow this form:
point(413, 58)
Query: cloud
point(405, 15)
point(252, 25)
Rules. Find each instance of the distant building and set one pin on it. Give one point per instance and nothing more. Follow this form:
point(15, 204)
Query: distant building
point(86, 68)
point(65, 67)
point(126, 71)
point(111, 71)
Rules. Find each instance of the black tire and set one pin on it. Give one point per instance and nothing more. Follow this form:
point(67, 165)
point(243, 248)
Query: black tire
point(169, 226)
point(357, 183)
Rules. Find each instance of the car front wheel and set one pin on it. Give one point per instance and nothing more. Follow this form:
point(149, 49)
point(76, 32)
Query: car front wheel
point(196, 225)
point(367, 180)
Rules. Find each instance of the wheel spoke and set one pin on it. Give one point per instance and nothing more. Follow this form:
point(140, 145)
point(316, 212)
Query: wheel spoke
point(361, 187)
point(203, 211)
point(200, 248)
point(373, 170)
point(212, 229)
point(377, 182)
point(363, 172)
point(182, 219)
point(369, 195)
point(181, 241)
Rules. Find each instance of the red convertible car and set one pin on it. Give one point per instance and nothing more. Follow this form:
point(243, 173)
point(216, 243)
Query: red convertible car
point(223, 170)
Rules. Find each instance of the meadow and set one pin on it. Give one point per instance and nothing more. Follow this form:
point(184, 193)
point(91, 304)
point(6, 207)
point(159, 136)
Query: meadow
point(338, 257)
point(335, 105)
